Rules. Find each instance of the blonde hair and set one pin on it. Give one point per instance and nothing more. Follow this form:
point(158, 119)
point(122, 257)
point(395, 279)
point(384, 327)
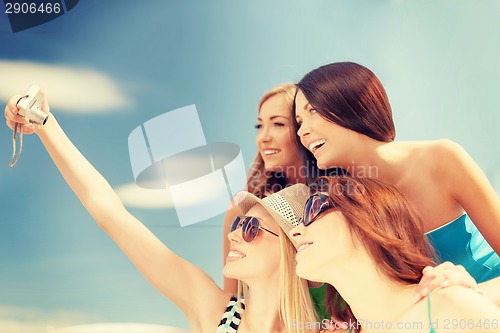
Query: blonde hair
point(296, 308)
point(261, 182)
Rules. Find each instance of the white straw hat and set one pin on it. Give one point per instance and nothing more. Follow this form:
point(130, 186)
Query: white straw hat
point(285, 206)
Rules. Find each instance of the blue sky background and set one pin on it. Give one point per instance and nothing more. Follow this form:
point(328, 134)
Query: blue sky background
point(120, 63)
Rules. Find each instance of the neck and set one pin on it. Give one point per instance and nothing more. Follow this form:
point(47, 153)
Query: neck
point(295, 178)
point(374, 159)
point(295, 174)
point(262, 310)
point(374, 298)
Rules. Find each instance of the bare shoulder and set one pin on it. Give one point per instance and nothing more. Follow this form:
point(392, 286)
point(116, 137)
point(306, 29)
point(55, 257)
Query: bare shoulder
point(442, 157)
point(458, 302)
point(429, 158)
point(440, 150)
point(428, 150)
point(451, 161)
point(456, 294)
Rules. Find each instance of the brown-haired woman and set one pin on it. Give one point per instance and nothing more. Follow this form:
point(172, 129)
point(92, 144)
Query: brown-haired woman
point(278, 165)
point(345, 121)
point(361, 237)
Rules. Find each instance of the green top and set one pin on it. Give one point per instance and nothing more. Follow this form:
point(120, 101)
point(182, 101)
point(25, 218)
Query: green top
point(431, 329)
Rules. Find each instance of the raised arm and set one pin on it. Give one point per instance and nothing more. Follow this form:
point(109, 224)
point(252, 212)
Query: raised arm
point(194, 292)
point(471, 189)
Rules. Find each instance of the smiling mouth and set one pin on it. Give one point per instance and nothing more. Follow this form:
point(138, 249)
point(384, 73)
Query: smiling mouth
point(269, 152)
point(235, 255)
point(316, 145)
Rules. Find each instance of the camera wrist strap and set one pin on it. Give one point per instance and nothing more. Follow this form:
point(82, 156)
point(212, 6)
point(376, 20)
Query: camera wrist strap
point(14, 158)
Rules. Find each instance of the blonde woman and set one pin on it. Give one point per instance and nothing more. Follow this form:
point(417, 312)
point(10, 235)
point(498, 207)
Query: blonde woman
point(276, 165)
point(255, 245)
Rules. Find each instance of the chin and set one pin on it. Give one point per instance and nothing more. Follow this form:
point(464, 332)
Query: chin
point(273, 168)
point(321, 166)
point(310, 272)
point(325, 165)
point(302, 271)
point(230, 273)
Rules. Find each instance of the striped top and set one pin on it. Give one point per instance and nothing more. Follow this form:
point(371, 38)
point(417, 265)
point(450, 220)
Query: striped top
point(231, 318)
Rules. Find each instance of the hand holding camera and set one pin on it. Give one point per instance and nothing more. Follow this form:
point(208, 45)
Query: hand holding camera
point(30, 106)
point(26, 114)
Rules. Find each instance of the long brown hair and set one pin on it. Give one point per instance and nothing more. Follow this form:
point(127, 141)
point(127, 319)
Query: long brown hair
point(385, 224)
point(261, 182)
point(349, 95)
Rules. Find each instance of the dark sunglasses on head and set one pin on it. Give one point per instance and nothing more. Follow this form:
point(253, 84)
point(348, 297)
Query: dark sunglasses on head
point(316, 205)
point(250, 227)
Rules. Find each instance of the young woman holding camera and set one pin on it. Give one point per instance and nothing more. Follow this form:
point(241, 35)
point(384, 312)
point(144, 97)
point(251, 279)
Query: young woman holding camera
point(256, 247)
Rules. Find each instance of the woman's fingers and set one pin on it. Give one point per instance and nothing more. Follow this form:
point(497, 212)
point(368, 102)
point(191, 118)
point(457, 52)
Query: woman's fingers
point(12, 117)
point(11, 111)
point(16, 118)
point(12, 103)
point(442, 276)
point(25, 128)
point(458, 276)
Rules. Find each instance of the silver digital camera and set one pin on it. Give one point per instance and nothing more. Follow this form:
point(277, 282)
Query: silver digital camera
point(30, 106)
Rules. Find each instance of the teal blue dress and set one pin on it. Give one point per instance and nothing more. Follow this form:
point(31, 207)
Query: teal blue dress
point(461, 243)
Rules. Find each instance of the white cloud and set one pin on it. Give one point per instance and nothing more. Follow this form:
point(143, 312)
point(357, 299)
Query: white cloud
point(135, 196)
point(118, 328)
point(29, 320)
point(68, 89)
point(182, 168)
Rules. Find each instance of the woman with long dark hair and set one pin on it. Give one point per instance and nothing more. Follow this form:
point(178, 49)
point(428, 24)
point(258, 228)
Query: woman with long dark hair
point(345, 121)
